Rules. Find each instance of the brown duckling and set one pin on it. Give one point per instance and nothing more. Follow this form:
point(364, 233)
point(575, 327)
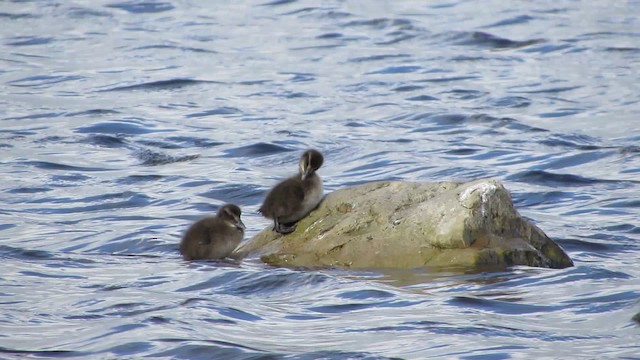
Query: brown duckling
point(213, 237)
point(295, 197)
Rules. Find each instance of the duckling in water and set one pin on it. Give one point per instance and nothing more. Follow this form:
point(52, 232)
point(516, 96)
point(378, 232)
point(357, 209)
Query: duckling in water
point(213, 237)
point(295, 197)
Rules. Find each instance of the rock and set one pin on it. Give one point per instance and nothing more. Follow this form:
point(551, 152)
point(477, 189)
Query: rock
point(396, 224)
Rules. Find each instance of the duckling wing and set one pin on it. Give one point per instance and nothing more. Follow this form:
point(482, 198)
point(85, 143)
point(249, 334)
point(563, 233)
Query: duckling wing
point(196, 237)
point(283, 199)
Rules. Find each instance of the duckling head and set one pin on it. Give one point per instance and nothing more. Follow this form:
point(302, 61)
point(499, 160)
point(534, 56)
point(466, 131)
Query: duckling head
point(310, 162)
point(230, 214)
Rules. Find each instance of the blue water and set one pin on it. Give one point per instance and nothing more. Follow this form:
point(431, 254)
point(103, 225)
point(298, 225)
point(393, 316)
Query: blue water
point(123, 121)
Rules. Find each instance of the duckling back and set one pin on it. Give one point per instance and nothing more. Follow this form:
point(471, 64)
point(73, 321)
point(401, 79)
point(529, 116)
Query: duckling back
point(213, 237)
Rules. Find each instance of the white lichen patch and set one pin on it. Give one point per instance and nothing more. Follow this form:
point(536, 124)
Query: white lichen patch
point(485, 189)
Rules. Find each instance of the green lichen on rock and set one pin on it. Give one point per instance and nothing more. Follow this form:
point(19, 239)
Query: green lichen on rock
point(397, 224)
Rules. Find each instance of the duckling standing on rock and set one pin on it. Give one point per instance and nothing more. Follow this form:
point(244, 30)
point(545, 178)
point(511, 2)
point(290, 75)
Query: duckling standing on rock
point(213, 237)
point(295, 197)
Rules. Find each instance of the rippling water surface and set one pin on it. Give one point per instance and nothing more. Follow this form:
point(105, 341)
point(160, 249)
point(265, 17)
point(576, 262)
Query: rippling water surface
point(123, 121)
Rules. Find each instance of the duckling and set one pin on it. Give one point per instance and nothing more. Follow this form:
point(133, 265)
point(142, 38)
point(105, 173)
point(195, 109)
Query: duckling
point(213, 237)
point(295, 197)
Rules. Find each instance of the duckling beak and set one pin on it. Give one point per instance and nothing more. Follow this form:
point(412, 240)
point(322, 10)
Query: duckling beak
point(306, 173)
point(240, 225)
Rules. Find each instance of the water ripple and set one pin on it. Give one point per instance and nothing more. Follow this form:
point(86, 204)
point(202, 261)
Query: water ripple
point(207, 349)
point(479, 38)
point(279, 2)
point(217, 111)
point(126, 127)
point(45, 354)
point(46, 165)
point(169, 84)
point(378, 57)
point(17, 16)
point(259, 149)
point(31, 40)
point(510, 101)
point(160, 85)
point(517, 20)
point(502, 307)
point(235, 193)
point(94, 112)
point(540, 177)
point(153, 158)
point(398, 69)
point(141, 7)
point(43, 81)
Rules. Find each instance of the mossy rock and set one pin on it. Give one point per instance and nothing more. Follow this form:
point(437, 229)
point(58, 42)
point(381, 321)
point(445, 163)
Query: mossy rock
point(395, 224)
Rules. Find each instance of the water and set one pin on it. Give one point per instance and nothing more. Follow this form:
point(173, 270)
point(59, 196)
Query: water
point(122, 122)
